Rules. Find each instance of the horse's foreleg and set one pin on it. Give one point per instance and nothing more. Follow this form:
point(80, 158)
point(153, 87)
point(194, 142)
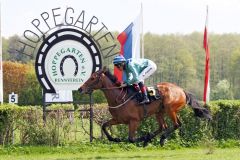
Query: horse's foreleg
point(104, 128)
point(132, 127)
point(147, 138)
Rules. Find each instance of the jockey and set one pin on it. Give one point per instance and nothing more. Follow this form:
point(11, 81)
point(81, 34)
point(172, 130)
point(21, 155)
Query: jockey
point(136, 71)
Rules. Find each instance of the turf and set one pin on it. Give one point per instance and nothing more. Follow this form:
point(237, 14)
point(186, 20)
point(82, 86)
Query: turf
point(53, 153)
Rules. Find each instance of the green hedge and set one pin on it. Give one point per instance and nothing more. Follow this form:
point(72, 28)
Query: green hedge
point(27, 121)
point(25, 125)
point(224, 126)
point(226, 119)
point(11, 118)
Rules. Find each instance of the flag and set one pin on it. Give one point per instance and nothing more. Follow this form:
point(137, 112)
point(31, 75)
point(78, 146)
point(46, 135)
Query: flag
point(129, 40)
point(206, 94)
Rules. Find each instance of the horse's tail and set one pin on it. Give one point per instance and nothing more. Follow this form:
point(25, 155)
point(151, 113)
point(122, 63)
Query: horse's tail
point(197, 108)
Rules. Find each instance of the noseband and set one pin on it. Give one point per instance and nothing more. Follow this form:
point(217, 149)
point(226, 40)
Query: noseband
point(90, 87)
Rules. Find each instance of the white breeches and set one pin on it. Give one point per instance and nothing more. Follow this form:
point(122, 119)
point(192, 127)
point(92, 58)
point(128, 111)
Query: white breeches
point(147, 72)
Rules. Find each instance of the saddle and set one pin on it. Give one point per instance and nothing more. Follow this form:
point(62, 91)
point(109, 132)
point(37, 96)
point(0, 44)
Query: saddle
point(152, 91)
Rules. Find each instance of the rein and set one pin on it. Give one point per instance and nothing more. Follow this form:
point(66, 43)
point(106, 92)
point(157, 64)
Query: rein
point(120, 105)
point(96, 82)
point(110, 88)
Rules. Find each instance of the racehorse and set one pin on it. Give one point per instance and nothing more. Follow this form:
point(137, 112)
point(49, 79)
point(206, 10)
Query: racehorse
point(126, 110)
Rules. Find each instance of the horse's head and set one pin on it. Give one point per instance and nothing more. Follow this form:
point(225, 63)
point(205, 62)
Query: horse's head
point(94, 82)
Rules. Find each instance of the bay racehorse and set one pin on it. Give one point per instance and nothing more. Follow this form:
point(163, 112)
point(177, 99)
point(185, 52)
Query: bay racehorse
point(126, 110)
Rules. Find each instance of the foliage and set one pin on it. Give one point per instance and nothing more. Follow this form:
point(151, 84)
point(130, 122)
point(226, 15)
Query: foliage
point(10, 118)
point(180, 59)
point(98, 97)
point(14, 78)
point(61, 126)
point(28, 122)
point(222, 91)
point(225, 125)
point(235, 72)
point(21, 79)
point(31, 93)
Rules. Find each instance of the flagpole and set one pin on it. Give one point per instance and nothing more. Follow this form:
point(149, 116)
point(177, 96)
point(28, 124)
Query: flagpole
point(142, 35)
point(206, 94)
point(206, 23)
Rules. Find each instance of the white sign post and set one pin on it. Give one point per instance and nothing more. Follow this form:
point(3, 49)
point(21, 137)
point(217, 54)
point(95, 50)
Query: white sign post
point(13, 98)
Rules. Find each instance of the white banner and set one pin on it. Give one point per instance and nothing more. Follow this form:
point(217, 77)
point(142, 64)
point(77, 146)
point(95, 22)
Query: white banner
point(60, 96)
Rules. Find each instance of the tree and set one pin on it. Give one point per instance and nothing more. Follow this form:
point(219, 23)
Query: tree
point(180, 59)
point(5, 46)
point(235, 73)
point(222, 91)
point(14, 77)
point(31, 92)
point(14, 55)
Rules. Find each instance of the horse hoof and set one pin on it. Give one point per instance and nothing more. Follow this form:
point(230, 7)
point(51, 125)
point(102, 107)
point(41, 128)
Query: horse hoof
point(116, 140)
point(162, 141)
point(145, 143)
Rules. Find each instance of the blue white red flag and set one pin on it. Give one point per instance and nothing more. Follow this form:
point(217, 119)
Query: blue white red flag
point(129, 40)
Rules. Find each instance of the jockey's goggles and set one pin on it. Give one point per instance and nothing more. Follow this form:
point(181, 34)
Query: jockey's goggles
point(118, 65)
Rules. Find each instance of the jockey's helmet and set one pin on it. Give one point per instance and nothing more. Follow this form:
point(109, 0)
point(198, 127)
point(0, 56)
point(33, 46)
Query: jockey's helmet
point(118, 59)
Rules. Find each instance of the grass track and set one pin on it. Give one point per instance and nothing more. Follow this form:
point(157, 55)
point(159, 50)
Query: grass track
point(156, 153)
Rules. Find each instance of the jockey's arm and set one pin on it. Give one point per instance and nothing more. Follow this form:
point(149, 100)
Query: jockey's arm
point(134, 77)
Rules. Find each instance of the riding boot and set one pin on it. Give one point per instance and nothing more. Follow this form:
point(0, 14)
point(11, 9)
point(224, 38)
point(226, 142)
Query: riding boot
point(144, 93)
point(145, 99)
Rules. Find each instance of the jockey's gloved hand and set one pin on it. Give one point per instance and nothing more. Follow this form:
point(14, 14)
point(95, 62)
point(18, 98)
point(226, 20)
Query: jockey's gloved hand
point(136, 86)
point(121, 84)
point(118, 83)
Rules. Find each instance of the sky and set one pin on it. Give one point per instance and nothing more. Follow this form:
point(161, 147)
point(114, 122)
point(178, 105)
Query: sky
point(159, 16)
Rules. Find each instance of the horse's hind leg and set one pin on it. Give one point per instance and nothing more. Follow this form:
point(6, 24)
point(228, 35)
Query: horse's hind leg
point(176, 125)
point(162, 126)
point(161, 121)
point(104, 128)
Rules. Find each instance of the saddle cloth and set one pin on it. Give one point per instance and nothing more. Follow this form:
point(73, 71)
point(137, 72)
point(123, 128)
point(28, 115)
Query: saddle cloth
point(153, 93)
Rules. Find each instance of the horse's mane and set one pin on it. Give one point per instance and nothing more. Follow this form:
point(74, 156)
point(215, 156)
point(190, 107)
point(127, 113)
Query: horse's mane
point(112, 77)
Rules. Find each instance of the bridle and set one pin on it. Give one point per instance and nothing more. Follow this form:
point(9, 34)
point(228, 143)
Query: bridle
point(90, 87)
